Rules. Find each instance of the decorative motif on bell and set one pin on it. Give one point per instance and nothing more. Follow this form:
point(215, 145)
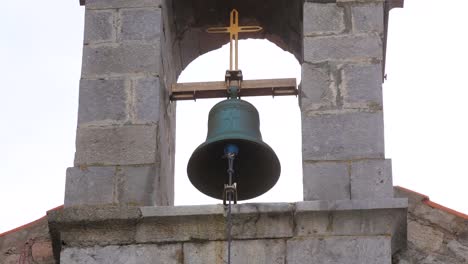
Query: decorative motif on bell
point(257, 168)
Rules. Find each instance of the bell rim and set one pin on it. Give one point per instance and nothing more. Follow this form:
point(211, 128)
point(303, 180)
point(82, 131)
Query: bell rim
point(257, 142)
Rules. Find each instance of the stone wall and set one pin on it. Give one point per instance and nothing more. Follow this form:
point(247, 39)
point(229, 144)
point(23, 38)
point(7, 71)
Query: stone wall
point(31, 243)
point(341, 101)
point(126, 124)
point(436, 234)
point(338, 232)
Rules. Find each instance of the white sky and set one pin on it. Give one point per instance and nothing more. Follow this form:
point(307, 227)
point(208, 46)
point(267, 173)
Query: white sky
point(424, 101)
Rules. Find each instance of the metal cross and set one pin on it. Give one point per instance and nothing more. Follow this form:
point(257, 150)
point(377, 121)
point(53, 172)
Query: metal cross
point(234, 29)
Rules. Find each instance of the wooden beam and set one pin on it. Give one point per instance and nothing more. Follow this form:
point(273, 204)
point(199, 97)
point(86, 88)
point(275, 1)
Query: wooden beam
point(200, 90)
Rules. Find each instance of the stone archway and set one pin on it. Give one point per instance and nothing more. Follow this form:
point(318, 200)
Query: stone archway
point(185, 25)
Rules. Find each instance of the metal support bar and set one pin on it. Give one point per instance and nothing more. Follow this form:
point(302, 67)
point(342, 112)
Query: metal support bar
point(203, 90)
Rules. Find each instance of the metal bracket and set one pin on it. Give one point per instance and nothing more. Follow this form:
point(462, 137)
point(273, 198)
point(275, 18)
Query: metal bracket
point(231, 192)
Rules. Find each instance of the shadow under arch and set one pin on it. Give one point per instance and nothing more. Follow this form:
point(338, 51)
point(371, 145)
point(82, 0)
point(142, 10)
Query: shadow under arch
point(279, 117)
point(185, 24)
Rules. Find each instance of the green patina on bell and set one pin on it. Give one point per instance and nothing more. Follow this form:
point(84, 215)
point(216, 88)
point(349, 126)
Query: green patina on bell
point(257, 167)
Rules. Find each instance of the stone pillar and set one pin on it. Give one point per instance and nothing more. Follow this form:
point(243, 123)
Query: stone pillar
point(126, 124)
point(341, 101)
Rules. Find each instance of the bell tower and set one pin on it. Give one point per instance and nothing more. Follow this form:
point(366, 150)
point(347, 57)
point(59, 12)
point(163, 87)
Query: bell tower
point(119, 193)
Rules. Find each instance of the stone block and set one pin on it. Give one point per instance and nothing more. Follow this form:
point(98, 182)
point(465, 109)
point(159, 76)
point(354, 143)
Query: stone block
point(102, 101)
point(125, 145)
point(41, 252)
point(458, 249)
point(362, 84)
point(349, 250)
point(368, 17)
point(326, 181)
point(108, 4)
point(121, 59)
point(190, 46)
point(371, 179)
point(147, 99)
point(135, 185)
point(140, 24)
point(89, 186)
point(99, 26)
point(242, 251)
point(180, 229)
point(252, 221)
point(182, 210)
point(320, 18)
point(425, 237)
point(342, 136)
point(125, 254)
point(342, 205)
point(317, 90)
point(342, 48)
point(350, 222)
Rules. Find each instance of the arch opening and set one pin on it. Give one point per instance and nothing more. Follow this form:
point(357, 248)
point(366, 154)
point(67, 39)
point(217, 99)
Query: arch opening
point(186, 23)
point(280, 122)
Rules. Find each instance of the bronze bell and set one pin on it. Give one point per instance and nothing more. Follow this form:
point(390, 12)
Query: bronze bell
point(257, 168)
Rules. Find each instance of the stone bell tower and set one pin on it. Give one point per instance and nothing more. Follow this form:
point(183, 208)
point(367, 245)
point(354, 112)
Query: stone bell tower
point(119, 193)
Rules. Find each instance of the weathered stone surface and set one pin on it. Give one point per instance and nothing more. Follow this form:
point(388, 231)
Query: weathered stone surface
point(458, 249)
point(349, 222)
point(30, 243)
point(249, 221)
point(102, 101)
point(342, 48)
point(189, 46)
point(93, 214)
point(108, 4)
point(125, 145)
point(349, 250)
point(337, 205)
point(99, 26)
point(136, 185)
point(140, 24)
point(131, 254)
point(371, 179)
point(342, 136)
point(326, 181)
point(89, 186)
point(124, 185)
point(121, 59)
point(147, 100)
point(320, 18)
point(262, 221)
point(42, 252)
point(317, 90)
point(167, 229)
point(186, 211)
point(368, 17)
point(435, 234)
point(362, 85)
point(353, 1)
point(243, 251)
point(425, 237)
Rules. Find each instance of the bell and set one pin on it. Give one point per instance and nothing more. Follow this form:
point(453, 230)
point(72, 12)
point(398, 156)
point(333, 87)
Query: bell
point(257, 168)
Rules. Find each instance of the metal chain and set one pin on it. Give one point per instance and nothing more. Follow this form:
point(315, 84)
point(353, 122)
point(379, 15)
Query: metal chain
point(229, 222)
point(230, 194)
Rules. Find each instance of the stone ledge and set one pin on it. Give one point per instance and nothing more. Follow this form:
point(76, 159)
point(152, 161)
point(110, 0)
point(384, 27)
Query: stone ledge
point(84, 227)
point(90, 214)
point(110, 4)
point(345, 205)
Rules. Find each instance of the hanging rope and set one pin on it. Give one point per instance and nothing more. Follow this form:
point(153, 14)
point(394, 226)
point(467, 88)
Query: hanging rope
point(230, 192)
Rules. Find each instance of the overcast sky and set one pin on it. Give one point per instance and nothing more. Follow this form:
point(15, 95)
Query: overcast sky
point(424, 105)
